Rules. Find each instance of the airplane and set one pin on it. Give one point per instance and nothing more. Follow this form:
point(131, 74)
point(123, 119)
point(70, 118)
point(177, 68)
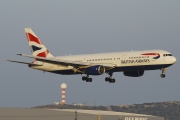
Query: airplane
point(131, 63)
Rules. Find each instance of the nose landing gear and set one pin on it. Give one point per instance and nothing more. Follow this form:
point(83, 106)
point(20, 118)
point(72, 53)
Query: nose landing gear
point(163, 73)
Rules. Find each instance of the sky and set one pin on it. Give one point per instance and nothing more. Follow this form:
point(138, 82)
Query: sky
point(87, 26)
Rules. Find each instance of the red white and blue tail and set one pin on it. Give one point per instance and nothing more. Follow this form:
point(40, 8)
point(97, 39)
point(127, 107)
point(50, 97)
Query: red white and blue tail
point(37, 47)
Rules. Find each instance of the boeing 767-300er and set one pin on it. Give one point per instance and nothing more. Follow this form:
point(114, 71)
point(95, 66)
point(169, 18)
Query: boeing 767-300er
point(131, 63)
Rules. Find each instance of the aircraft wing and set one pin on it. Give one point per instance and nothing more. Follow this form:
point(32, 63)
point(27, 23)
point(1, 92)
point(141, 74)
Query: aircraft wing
point(79, 65)
point(34, 64)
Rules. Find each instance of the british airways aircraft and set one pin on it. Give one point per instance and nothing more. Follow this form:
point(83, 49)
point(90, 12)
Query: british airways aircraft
point(131, 63)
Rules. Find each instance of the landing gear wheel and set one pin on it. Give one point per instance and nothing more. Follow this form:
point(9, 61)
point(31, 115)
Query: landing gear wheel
point(106, 79)
point(163, 75)
point(83, 78)
point(90, 79)
point(110, 79)
point(87, 79)
point(113, 80)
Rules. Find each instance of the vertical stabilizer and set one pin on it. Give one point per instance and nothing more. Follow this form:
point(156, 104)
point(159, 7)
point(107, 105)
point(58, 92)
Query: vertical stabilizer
point(37, 47)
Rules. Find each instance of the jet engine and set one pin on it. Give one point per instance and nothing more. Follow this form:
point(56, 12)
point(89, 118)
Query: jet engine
point(95, 70)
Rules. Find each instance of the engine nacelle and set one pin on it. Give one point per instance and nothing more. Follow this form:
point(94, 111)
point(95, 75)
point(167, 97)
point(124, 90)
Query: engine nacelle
point(134, 73)
point(95, 70)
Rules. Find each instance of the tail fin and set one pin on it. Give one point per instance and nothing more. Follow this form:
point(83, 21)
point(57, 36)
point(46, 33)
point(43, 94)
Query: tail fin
point(37, 47)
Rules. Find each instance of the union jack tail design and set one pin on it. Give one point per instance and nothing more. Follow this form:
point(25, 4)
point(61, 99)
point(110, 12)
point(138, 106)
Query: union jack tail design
point(36, 46)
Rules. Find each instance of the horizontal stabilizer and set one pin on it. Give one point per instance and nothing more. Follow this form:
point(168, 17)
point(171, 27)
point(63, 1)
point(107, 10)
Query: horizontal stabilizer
point(25, 63)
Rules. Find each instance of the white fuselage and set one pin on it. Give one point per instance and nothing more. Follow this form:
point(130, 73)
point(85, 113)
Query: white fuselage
point(124, 61)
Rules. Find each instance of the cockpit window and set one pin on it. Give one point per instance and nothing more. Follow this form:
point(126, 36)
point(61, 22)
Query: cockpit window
point(167, 55)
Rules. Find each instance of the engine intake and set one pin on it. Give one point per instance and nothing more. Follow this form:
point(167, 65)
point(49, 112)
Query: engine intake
point(95, 70)
point(134, 73)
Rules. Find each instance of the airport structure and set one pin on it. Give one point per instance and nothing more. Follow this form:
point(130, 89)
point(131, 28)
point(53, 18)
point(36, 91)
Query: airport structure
point(63, 88)
point(69, 114)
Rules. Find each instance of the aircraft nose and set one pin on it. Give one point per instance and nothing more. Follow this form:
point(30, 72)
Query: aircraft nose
point(173, 59)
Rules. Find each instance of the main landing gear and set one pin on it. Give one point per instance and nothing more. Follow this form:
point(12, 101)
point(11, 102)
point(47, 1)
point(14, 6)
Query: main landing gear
point(163, 73)
point(107, 79)
point(86, 78)
point(110, 79)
